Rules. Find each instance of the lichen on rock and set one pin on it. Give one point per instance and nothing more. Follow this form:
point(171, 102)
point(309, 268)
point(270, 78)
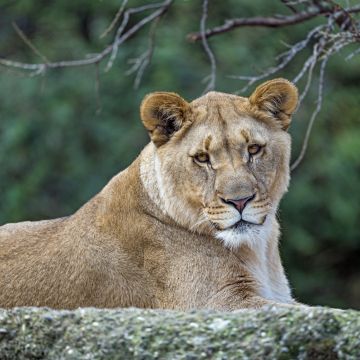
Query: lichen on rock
point(269, 333)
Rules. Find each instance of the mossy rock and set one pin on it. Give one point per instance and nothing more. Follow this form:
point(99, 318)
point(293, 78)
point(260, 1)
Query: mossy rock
point(270, 333)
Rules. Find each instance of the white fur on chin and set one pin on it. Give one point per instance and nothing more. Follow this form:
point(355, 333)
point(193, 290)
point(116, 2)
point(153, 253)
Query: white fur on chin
point(255, 236)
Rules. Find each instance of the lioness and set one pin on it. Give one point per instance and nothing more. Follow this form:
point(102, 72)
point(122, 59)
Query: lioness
point(191, 223)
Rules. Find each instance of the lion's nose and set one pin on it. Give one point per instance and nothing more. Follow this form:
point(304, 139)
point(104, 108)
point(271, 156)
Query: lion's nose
point(240, 203)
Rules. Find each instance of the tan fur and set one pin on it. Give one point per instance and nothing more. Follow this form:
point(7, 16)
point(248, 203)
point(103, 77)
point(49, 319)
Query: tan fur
point(158, 235)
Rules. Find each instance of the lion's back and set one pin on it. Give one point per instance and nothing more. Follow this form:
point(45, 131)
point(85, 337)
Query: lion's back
point(25, 230)
point(14, 229)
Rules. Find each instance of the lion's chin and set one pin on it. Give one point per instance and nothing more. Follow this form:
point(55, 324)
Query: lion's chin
point(241, 233)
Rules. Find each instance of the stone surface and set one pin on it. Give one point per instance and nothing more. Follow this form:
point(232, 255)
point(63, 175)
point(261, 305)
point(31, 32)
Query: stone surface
point(270, 333)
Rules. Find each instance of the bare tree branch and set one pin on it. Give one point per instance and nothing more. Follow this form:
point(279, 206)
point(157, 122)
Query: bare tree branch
point(211, 79)
point(38, 68)
point(143, 61)
point(300, 157)
point(286, 58)
point(273, 22)
point(309, 68)
point(120, 39)
point(335, 48)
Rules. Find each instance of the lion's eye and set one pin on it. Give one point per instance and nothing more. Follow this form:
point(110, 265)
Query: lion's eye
point(202, 158)
point(254, 149)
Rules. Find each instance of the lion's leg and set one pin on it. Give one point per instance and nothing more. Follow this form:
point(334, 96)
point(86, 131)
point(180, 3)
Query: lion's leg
point(233, 298)
point(221, 303)
point(253, 302)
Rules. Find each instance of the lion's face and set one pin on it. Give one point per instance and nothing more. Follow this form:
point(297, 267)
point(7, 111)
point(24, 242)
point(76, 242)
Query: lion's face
point(222, 161)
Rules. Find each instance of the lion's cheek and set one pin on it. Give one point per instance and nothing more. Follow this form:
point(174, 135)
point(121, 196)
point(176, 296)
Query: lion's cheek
point(277, 182)
point(196, 183)
point(193, 193)
point(194, 199)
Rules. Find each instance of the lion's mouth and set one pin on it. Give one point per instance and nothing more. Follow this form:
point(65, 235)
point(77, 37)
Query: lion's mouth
point(243, 225)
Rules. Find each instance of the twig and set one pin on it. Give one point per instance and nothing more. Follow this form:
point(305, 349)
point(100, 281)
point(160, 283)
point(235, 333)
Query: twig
point(143, 61)
point(28, 42)
point(97, 89)
point(296, 2)
point(115, 20)
point(43, 82)
point(289, 5)
point(354, 53)
point(296, 163)
point(13, 71)
point(117, 42)
point(211, 78)
point(312, 61)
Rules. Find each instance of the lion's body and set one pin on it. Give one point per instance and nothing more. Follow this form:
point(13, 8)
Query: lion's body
point(139, 243)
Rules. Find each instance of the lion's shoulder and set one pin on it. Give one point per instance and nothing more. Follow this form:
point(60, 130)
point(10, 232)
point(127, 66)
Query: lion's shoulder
point(14, 230)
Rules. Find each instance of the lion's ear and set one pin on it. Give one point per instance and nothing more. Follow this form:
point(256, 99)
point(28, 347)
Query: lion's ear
point(278, 97)
point(163, 113)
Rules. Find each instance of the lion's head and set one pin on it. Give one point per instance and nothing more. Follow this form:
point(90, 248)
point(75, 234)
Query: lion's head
point(221, 163)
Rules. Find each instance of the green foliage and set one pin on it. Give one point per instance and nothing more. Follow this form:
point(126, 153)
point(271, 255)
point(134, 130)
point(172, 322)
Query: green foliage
point(57, 150)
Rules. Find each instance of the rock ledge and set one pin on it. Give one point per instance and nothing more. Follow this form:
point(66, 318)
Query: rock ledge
point(271, 333)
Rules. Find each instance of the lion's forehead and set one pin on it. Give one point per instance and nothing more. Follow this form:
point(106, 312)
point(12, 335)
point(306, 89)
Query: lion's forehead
point(226, 113)
point(235, 132)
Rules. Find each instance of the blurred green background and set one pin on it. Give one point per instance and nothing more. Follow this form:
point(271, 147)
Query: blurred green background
point(57, 149)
